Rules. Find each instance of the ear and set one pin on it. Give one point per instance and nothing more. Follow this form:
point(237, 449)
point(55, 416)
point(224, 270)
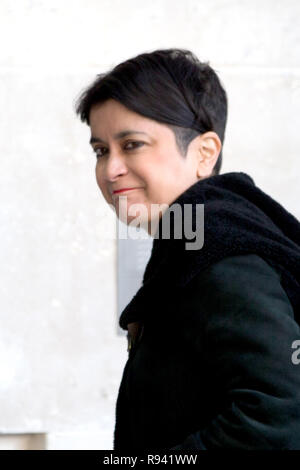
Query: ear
point(209, 148)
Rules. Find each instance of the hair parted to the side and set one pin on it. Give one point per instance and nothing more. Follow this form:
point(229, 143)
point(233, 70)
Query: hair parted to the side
point(170, 86)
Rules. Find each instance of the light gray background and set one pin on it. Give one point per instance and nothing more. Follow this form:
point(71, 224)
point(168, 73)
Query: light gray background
point(61, 357)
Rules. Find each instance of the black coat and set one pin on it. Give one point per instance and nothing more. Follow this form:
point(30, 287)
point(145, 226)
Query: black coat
point(212, 365)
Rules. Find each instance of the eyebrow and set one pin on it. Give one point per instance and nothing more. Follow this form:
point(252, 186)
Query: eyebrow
point(119, 135)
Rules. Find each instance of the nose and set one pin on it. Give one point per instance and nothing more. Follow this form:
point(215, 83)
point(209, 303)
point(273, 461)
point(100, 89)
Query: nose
point(114, 166)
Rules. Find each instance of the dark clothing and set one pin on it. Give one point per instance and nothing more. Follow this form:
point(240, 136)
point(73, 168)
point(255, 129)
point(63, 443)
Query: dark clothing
point(213, 367)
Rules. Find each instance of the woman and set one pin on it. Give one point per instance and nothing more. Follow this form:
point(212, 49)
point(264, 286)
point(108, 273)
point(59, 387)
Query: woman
point(213, 330)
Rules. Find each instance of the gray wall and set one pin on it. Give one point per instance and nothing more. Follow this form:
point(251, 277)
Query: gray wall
point(61, 356)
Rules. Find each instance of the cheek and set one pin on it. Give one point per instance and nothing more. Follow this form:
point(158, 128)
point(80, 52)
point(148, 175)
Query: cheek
point(99, 177)
point(97, 174)
point(101, 184)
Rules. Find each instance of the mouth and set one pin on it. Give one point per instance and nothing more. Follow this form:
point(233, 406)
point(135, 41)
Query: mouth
point(125, 190)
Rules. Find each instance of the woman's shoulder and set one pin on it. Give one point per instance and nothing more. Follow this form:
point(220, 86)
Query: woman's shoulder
point(239, 281)
point(236, 299)
point(237, 269)
point(247, 264)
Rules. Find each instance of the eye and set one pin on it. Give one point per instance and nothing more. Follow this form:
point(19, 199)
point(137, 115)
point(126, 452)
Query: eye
point(98, 150)
point(135, 142)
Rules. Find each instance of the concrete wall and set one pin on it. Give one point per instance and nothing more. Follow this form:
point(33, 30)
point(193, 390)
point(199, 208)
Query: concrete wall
point(61, 356)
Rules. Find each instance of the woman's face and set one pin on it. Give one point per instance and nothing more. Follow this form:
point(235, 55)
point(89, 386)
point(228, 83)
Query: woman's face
point(146, 159)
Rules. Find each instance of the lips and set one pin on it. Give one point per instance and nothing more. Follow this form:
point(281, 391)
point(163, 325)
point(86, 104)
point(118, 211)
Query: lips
point(122, 190)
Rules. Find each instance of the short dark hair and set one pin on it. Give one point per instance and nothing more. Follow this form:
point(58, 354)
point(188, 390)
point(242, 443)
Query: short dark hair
point(170, 86)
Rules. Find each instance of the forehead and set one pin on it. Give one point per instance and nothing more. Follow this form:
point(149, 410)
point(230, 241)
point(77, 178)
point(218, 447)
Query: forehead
point(111, 111)
point(112, 116)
